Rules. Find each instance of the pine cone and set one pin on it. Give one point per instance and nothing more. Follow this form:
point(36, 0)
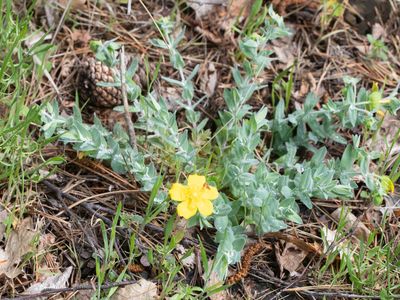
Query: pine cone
point(91, 72)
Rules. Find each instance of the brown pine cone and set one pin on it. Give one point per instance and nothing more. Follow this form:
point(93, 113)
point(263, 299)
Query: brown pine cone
point(92, 72)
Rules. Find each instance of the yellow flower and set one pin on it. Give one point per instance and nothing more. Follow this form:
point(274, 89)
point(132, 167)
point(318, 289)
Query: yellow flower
point(195, 196)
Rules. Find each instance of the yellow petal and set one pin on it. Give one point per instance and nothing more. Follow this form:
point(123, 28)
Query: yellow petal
point(177, 192)
point(387, 184)
point(196, 182)
point(209, 192)
point(205, 207)
point(186, 209)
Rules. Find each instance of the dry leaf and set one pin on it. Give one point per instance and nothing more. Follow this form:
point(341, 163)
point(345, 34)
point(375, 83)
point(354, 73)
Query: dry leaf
point(144, 261)
point(361, 231)
point(48, 263)
point(378, 31)
point(75, 4)
point(54, 282)
point(3, 216)
point(18, 244)
point(82, 37)
point(142, 290)
point(386, 136)
point(217, 17)
point(208, 78)
point(189, 261)
point(291, 258)
point(203, 7)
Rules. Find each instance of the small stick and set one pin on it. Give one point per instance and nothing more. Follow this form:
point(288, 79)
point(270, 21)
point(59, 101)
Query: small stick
point(131, 129)
point(51, 291)
point(129, 7)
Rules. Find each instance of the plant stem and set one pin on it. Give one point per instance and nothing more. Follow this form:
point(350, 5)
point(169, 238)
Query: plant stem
point(131, 129)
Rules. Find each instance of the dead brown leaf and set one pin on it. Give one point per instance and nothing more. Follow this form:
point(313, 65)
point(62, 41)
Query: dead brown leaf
point(18, 244)
point(48, 263)
point(208, 78)
point(54, 282)
point(291, 258)
point(204, 7)
point(81, 37)
point(142, 290)
point(3, 216)
point(215, 18)
point(383, 139)
point(188, 262)
point(361, 231)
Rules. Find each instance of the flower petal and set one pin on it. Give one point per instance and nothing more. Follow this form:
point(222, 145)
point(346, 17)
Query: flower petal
point(186, 209)
point(177, 192)
point(205, 207)
point(209, 192)
point(196, 182)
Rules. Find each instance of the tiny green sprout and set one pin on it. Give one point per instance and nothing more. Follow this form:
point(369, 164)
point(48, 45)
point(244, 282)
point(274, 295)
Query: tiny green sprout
point(377, 199)
point(378, 48)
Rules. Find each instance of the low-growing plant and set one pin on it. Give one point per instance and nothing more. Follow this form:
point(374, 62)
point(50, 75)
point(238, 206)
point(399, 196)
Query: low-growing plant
point(259, 180)
point(371, 265)
point(20, 160)
point(378, 48)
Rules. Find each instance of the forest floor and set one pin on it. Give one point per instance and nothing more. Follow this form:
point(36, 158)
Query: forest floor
point(74, 227)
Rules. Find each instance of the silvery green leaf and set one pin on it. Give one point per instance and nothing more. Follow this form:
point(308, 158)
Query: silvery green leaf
point(343, 191)
point(173, 81)
point(286, 192)
point(319, 156)
point(132, 68)
point(352, 114)
point(176, 59)
point(311, 101)
point(306, 182)
point(237, 76)
point(193, 73)
point(348, 158)
point(188, 91)
point(305, 199)
point(294, 217)
point(178, 38)
point(159, 43)
point(221, 222)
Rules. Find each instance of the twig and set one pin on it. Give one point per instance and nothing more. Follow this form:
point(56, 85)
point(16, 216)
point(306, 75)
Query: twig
point(131, 129)
point(66, 10)
point(47, 292)
point(332, 294)
point(89, 207)
point(129, 7)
